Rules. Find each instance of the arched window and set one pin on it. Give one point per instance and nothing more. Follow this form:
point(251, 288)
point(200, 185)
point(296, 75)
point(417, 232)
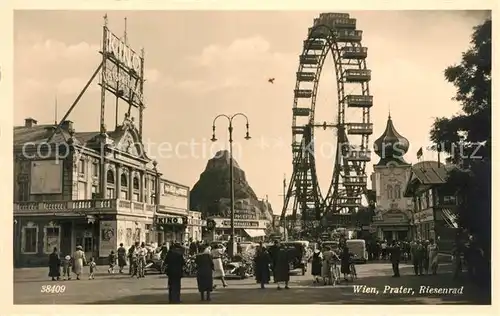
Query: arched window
point(123, 180)
point(389, 192)
point(397, 191)
point(110, 177)
point(136, 183)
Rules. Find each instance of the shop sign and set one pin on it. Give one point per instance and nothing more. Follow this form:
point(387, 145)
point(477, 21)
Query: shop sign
point(170, 220)
point(424, 216)
point(244, 215)
point(239, 223)
point(107, 233)
point(174, 190)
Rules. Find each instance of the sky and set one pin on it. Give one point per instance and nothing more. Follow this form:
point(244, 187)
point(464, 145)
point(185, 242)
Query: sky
point(203, 63)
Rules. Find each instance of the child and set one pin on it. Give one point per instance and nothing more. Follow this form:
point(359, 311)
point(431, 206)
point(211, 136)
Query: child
point(66, 264)
point(92, 266)
point(111, 261)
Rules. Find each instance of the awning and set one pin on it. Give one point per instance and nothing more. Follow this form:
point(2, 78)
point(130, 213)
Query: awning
point(254, 232)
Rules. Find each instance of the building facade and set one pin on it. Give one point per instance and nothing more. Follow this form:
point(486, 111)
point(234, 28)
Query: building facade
point(94, 189)
point(434, 202)
point(393, 212)
point(195, 226)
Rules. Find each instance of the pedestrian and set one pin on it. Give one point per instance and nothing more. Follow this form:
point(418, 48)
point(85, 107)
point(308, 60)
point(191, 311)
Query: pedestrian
point(92, 268)
point(217, 252)
point(262, 260)
point(383, 247)
point(281, 267)
point(132, 261)
point(317, 257)
point(416, 257)
point(425, 257)
point(326, 265)
point(175, 264)
point(193, 248)
point(345, 265)
point(272, 253)
point(457, 260)
point(111, 262)
point(204, 273)
point(66, 265)
point(141, 254)
point(122, 257)
point(433, 256)
point(79, 261)
point(395, 257)
point(54, 265)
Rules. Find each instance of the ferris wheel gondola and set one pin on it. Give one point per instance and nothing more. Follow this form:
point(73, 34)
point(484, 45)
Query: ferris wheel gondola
point(332, 34)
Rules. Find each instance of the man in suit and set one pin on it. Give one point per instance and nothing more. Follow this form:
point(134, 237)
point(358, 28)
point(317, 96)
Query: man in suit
point(175, 263)
point(395, 256)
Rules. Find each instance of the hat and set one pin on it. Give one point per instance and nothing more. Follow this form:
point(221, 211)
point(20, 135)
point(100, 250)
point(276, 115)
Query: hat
point(79, 247)
point(68, 257)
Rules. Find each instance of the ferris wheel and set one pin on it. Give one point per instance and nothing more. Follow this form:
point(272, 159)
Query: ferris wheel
point(332, 34)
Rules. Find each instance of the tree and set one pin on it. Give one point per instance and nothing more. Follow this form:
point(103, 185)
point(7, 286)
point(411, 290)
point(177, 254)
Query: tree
point(466, 137)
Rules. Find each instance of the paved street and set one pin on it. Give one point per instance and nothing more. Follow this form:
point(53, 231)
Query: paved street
point(121, 289)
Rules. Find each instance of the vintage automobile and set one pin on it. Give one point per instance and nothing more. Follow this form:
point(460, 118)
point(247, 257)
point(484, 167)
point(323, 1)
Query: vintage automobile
point(298, 254)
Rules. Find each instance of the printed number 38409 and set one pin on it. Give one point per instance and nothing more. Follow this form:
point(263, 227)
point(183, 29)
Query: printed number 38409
point(53, 289)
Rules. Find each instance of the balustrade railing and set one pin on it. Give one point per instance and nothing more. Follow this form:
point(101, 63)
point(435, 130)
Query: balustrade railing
point(93, 205)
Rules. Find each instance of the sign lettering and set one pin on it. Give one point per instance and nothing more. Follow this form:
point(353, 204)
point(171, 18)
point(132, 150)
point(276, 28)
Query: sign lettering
point(178, 220)
point(241, 223)
point(123, 53)
point(114, 78)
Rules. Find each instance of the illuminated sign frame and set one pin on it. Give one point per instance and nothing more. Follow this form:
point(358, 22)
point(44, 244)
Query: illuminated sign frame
point(123, 70)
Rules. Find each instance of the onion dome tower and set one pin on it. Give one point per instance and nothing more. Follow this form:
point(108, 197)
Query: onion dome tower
point(391, 146)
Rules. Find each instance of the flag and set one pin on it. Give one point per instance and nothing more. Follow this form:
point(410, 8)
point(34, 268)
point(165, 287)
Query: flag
point(419, 153)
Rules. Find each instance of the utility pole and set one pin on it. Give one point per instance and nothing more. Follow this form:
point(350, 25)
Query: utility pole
point(285, 228)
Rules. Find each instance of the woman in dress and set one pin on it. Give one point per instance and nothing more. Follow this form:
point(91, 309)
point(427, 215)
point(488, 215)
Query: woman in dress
point(262, 261)
point(281, 267)
point(316, 265)
point(217, 253)
point(345, 258)
point(433, 256)
point(54, 265)
point(78, 261)
point(204, 273)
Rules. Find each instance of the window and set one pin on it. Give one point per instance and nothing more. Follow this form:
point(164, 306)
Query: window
point(110, 193)
point(124, 195)
point(95, 194)
point(123, 180)
point(95, 169)
point(81, 166)
point(153, 199)
point(30, 239)
point(449, 200)
point(110, 177)
point(153, 185)
point(82, 190)
point(427, 204)
point(136, 183)
point(51, 238)
point(397, 191)
point(389, 192)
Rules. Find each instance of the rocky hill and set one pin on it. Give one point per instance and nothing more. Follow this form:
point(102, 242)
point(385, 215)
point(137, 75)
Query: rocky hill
point(211, 194)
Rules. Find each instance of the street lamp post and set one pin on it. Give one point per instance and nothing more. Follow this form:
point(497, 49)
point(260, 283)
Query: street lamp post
point(231, 184)
point(156, 199)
